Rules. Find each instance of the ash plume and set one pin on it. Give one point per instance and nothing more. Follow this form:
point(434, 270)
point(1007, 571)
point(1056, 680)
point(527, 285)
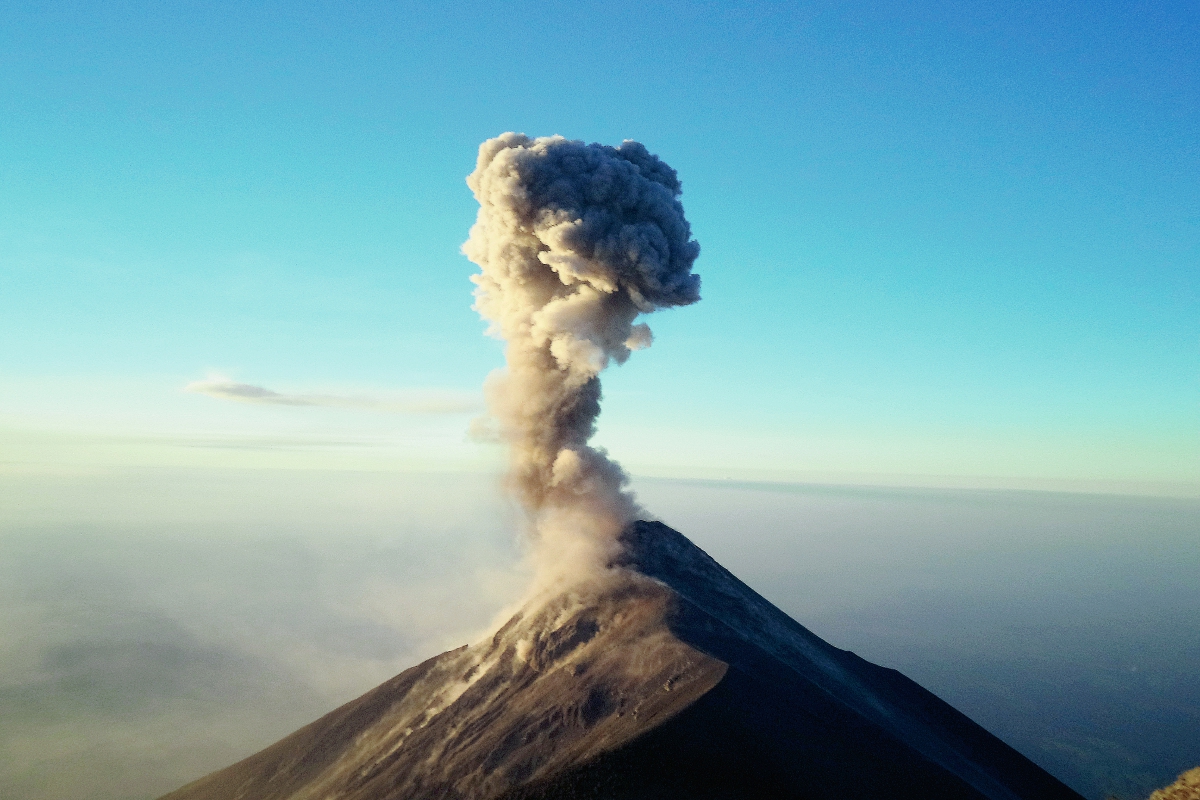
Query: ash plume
point(574, 241)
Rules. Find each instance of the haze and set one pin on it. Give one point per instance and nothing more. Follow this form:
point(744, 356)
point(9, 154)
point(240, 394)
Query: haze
point(172, 628)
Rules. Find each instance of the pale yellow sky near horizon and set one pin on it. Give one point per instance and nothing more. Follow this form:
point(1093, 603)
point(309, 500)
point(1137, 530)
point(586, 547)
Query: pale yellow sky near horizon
point(64, 426)
point(64, 453)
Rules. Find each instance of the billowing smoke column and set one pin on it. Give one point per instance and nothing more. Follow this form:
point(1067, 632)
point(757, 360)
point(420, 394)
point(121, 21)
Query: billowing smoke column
point(574, 241)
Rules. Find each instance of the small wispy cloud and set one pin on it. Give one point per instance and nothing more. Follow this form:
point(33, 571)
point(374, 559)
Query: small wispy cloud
point(417, 402)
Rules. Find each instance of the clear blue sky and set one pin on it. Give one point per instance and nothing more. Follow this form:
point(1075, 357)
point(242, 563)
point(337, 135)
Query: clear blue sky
point(956, 240)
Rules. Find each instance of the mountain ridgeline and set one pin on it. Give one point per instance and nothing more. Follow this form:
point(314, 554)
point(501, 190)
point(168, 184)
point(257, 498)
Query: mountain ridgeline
point(668, 678)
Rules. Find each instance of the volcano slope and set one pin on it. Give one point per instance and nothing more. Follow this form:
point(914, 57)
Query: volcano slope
point(669, 678)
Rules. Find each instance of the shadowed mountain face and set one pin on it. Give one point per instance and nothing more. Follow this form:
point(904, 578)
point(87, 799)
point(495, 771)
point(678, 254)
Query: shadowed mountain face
point(669, 678)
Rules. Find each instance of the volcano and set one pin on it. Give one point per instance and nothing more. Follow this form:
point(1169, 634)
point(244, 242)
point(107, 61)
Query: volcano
point(666, 678)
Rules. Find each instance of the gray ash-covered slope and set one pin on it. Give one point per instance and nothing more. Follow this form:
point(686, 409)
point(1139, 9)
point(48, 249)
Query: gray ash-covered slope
point(670, 678)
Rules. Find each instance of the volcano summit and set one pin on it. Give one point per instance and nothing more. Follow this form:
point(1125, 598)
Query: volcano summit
point(640, 668)
point(665, 678)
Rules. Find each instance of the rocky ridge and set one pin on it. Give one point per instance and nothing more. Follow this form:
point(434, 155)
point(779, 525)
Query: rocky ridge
point(666, 678)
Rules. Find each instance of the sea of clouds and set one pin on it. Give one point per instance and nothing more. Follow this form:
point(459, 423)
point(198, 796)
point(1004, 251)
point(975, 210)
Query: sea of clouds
point(156, 624)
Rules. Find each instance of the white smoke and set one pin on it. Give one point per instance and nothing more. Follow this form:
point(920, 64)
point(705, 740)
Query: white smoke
point(574, 241)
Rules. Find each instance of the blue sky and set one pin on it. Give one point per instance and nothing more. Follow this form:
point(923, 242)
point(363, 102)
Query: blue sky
point(941, 242)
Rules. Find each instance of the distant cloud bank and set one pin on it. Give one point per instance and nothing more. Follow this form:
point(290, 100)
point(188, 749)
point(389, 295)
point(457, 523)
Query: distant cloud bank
point(417, 402)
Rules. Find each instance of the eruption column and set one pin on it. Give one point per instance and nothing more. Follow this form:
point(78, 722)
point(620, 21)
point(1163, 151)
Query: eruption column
point(573, 241)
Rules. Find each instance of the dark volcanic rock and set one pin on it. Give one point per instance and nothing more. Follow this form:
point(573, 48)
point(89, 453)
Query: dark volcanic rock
point(670, 678)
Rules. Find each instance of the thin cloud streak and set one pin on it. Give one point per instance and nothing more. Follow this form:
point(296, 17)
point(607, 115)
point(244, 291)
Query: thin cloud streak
point(427, 402)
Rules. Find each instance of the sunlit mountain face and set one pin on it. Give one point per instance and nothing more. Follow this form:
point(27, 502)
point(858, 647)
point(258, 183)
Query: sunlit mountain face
point(666, 677)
